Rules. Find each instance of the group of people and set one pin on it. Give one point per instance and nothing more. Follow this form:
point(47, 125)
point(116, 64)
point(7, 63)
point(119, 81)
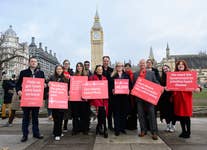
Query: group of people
point(117, 113)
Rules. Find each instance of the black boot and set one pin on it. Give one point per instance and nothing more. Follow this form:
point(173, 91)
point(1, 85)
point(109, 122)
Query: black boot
point(188, 123)
point(105, 131)
point(99, 130)
point(182, 123)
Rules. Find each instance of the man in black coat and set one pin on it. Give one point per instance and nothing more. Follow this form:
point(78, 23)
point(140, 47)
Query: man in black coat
point(33, 72)
point(107, 73)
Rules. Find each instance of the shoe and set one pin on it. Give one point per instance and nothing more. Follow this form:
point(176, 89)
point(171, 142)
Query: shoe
point(105, 134)
point(117, 133)
point(24, 139)
point(142, 134)
point(123, 131)
point(8, 125)
point(62, 135)
point(99, 130)
point(57, 138)
point(172, 128)
point(3, 118)
point(182, 134)
point(111, 128)
point(154, 137)
point(167, 128)
point(38, 136)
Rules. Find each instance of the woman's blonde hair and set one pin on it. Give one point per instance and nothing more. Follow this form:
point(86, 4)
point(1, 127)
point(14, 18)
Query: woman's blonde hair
point(115, 70)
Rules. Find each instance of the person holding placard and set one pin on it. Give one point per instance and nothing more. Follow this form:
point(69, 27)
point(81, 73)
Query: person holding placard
point(120, 101)
point(183, 103)
point(68, 72)
point(165, 104)
point(107, 70)
point(34, 72)
point(100, 104)
point(143, 105)
point(132, 116)
point(80, 109)
point(58, 114)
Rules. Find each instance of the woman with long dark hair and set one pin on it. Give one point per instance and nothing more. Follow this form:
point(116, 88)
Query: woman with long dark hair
point(58, 114)
point(165, 104)
point(100, 104)
point(183, 103)
point(80, 109)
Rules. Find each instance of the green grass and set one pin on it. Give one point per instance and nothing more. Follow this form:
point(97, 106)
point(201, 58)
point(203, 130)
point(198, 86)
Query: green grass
point(201, 95)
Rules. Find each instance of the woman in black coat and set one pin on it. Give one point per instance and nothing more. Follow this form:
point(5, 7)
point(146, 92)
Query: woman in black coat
point(58, 114)
point(165, 104)
point(120, 101)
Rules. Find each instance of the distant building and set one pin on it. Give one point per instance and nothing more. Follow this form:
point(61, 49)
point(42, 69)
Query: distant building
point(96, 42)
point(9, 43)
point(196, 62)
point(46, 59)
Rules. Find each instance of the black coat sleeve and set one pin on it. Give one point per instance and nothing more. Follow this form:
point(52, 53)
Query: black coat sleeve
point(19, 82)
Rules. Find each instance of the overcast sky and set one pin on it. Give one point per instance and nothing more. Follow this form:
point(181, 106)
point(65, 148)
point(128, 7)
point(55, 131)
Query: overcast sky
point(130, 27)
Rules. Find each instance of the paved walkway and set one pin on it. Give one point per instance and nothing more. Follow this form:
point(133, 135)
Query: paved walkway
point(10, 138)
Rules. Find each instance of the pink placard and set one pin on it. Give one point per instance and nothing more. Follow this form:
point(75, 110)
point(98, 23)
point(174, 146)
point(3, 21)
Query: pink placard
point(95, 90)
point(58, 95)
point(75, 87)
point(182, 81)
point(147, 90)
point(32, 92)
point(121, 86)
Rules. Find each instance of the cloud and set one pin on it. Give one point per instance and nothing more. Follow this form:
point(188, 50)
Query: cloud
point(130, 27)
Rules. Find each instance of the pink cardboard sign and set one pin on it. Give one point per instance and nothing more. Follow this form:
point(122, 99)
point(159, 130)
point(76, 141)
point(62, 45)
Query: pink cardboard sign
point(95, 90)
point(32, 92)
point(147, 90)
point(58, 95)
point(75, 87)
point(182, 81)
point(121, 86)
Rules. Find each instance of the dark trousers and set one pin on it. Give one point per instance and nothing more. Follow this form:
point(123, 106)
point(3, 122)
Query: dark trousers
point(120, 112)
point(150, 109)
point(80, 115)
point(26, 120)
point(11, 117)
point(185, 123)
point(102, 117)
point(110, 112)
point(58, 120)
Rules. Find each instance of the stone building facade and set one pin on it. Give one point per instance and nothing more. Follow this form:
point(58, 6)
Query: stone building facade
point(9, 44)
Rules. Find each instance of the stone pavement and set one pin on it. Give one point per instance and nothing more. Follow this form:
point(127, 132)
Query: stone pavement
point(10, 138)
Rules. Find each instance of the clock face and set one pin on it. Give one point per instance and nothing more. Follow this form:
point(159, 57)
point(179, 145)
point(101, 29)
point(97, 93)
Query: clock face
point(96, 35)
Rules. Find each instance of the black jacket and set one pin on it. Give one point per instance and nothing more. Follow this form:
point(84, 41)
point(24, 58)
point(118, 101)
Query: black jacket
point(124, 76)
point(8, 86)
point(28, 73)
point(107, 74)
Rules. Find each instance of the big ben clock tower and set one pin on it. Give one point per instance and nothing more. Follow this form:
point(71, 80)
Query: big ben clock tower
point(96, 42)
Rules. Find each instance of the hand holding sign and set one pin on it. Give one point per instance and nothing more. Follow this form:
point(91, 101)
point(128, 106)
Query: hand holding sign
point(32, 92)
point(121, 86)
point(58, 95)
point(147, 90)
point(182, 81)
